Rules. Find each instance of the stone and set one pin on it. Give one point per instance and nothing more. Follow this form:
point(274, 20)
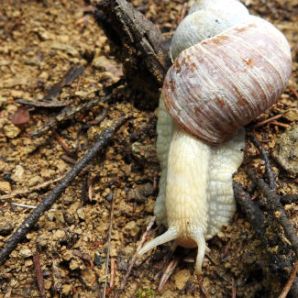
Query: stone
point(181, 278)
point(286, 150)
point(18, 174)
point(59, 235)
point(26, 253)
point(5, 187)
point(11, 131)
point(131, 228)
point(66, 289)
point(5, 228)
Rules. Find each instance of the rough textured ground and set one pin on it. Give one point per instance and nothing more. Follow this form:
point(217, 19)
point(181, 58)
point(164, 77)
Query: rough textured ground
point(39, 42)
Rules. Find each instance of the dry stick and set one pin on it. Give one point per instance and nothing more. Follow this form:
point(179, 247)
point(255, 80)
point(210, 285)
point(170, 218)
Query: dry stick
point(275, 205)
point(234, 289)
point(137, 43)
point(23, 205)
point(290, 282)
point(265, 157)
point(109, 248)
point(268, 120)
point(252, 211)
point(113, 272)
point(277, 210)
point(288, 199)
point(167, 274)
point(63, 144)
point(66, 114)
point(70, 112)
point(277, 123)
point(135, 256)
point(53, 104)
point(49, 99)
point(23, 192)
point(39, 275)
point(256, 218)
point(73, 73)
point(101, 142)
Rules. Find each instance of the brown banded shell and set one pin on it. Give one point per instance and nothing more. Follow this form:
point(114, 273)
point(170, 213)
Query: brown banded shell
point(222, 83)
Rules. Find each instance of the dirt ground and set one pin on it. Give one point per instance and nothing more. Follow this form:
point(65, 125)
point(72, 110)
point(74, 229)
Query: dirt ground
point(107, 208)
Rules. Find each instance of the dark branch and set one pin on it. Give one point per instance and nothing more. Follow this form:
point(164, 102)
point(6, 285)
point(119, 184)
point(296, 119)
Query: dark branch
point(274, 205)
point(137, 43)
point(264, 155)
point(100, 144)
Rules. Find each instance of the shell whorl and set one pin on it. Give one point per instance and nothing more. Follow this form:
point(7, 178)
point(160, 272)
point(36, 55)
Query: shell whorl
point(206, 19)
point(224, 82)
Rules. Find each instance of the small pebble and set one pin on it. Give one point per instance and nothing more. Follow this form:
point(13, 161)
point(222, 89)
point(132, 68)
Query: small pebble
point(74, 264)
point(11, 131)
point(89, 278)
point(59, 235)
point(5, 228)
point(18, 174)
point(181, 278)
point(26, 253)
point(81, 213)
point(5, 187)
point(131, 228)
point(66, 289)
point(35, 180)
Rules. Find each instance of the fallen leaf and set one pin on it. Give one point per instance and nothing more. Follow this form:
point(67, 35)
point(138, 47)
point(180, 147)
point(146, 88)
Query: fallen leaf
point(21, 116)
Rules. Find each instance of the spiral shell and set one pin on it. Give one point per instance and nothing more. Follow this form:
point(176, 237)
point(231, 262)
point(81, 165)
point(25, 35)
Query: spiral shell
point(222, 83)
point(205, 20)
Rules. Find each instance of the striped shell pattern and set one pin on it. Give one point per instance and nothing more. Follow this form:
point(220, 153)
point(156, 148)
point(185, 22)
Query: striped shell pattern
point(222, 83)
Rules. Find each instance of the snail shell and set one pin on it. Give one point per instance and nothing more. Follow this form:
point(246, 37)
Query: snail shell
point(205, 20)
point(222, 83)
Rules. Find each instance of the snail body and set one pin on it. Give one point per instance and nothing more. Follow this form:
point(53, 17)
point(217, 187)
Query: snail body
point(222, 78)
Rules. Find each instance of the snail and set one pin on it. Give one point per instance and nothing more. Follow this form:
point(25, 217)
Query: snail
point(228, 67)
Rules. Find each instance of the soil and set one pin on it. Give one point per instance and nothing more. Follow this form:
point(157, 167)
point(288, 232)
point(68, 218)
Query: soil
point(107, 208)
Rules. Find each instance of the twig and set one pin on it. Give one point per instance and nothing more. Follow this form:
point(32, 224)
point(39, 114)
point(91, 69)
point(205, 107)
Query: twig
point(277, 123)
point(113, 271)
point(100, 117)
point(69, 112)
point(275, 206)
point(202, 289)
point(53, 104)
point(39, 275)
point(252, 211)
point(100, 144)
point(290, 282)
point(167, 274)
point(13, 204)
point(73, 73)
point(288, 199)
point(268, 120)
point(257, 220)
point(68, 159)
point(23, 192)
point(265, 157)
point(234, 289)
point(63, 144)
point(53, 92)
point(23, 206)
point(108, 249)
point(137, 43)
point(66, 114)
point(84, 190)
point(135, 256)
